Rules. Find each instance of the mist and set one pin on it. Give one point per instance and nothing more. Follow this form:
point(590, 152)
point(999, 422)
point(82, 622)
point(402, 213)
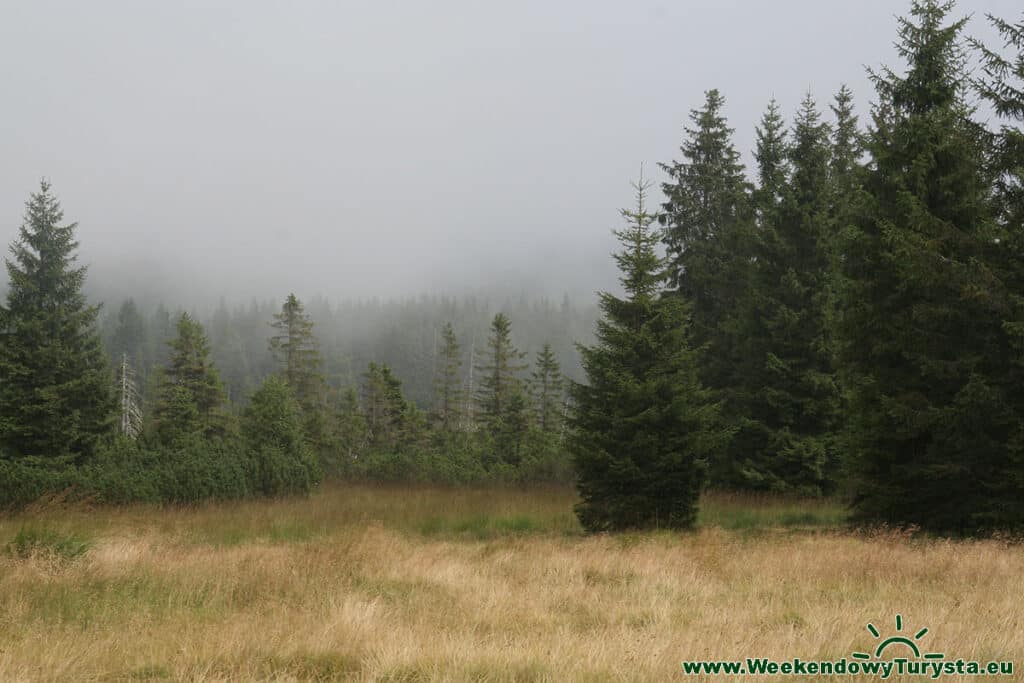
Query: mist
point(360, 149)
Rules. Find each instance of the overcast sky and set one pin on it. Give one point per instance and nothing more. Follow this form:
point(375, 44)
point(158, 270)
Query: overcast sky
point(360, 148)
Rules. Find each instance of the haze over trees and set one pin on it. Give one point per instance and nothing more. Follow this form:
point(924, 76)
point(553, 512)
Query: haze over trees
point(845, 317)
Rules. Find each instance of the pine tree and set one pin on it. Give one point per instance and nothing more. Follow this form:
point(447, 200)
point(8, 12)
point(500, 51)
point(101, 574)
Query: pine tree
point(787, 402)
point(296, 350)
point(548, 393)
point(189, 380)
point(923, 345)
point(448, 381)
point(56, 398)
point(643, 426)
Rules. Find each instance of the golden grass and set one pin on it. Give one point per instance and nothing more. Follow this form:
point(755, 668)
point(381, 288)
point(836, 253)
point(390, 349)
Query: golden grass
point(391, 584)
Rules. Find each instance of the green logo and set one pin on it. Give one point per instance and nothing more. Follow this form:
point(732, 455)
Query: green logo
point(898, 640)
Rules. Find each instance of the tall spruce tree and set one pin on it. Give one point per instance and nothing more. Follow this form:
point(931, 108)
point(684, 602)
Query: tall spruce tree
point(786, 405)
point(190, 397)
point(923, 345)
point(1002, 85)
point(772, 158)
point(643, 426)
point(56, 394)
point(297, 352)
point(847, 150)
point(705, 218)
point(708, 233)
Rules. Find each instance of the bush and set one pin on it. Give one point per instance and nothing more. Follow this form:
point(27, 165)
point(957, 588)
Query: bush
point(26, 480)
point(280, 460)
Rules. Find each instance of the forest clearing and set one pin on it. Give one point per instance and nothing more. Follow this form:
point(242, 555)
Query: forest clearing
point(432, 584)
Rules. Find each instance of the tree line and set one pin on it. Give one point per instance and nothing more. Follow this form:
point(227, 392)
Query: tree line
point(849, 322)
point(846, 318)
point(160, 425)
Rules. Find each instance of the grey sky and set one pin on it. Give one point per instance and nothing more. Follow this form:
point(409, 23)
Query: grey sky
point(387, 148)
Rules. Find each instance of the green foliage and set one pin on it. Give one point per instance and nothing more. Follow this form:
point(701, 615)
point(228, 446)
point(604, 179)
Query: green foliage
point(56, 398)
point(296, 350)
point(547, 386)
point(281, 461)
point(448, 395)
point(934, 430)
point(784, 398)
point(644, 426)
point(31, 542)
point(190, 397)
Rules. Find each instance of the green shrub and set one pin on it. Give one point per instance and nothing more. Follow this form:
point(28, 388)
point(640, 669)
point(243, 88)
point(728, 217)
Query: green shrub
point(29, 542)
point(280, 461)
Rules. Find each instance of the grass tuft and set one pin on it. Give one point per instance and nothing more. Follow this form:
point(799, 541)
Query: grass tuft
point(34, 542)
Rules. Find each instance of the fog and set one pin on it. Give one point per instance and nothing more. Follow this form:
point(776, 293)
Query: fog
point(370, 148)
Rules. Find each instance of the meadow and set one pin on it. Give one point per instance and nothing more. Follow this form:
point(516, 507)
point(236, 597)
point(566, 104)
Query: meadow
point(369, 583)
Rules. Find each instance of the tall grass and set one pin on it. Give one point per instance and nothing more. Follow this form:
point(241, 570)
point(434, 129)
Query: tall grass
point(431, 584)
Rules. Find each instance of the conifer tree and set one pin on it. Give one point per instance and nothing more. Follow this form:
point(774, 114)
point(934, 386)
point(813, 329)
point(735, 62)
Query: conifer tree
point(707, 222)
point(189, 380)
point(129, 334)
point(56, 398)
point(772, 155)
point(384, 405)
point(922, 322)
point(296, 350)
point(643, 426)
point(448, 381)
point(499, 374)
point(786, 403)
point(548, 393)
point(846, 152)
point(1002, 85)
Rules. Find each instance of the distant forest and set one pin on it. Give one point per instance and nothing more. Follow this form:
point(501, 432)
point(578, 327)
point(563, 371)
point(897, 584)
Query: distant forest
point(404, 334)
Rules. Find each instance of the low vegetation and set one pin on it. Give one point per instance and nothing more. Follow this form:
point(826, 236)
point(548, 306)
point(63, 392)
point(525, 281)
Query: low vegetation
point(435, 584)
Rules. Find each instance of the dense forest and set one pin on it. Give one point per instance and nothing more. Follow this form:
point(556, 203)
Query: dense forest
point(845, 318)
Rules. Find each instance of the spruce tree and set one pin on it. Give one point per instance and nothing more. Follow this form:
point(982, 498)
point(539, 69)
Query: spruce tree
point(129, 334)
point(56, 394)
point(448, 381)
point(787, 402)
point(846, 152)
point(384, 405)
point(772, 158)
point(1002, 85)
point(499, 374)
point(547, 383)
point(643, 427)
point(189, 380)
point(923, 344)
point(296, 350)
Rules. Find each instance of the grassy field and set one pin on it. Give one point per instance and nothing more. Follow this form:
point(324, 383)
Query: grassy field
point(419, 584)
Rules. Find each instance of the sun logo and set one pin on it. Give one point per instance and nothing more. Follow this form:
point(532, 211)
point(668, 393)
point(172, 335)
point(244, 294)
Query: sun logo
point(898, 640)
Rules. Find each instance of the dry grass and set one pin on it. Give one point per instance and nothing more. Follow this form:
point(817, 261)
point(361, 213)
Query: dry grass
point(361, 583)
